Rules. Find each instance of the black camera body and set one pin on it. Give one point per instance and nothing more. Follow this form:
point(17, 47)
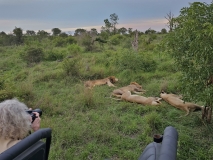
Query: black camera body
point(33, 115)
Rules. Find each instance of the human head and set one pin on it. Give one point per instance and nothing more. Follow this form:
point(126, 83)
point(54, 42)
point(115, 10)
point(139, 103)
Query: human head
point(14, 120)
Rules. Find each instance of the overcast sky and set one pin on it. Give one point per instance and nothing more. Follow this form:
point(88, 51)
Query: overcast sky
point(69, 15)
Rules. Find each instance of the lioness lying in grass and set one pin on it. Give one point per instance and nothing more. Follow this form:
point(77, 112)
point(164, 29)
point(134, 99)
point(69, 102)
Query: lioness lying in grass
point(109, 81)
point(177, 102)
point(134, 87)
point(154, 101)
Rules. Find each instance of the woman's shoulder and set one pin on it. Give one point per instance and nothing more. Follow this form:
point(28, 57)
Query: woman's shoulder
point(7, 143)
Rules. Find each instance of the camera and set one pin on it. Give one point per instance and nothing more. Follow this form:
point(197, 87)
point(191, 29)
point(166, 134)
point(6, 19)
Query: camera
point(33, 115)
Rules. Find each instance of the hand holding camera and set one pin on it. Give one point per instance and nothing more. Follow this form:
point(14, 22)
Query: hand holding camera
point(35, 116)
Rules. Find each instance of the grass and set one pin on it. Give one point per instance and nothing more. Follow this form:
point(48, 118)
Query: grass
point(87, 124)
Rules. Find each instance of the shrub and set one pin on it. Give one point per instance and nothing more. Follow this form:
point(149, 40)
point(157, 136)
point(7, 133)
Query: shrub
point(135, 62)
point(33, 55)
point(59, 41)
point(115, 39)
point(74, 49)
point(52, 55)
point(72, 67)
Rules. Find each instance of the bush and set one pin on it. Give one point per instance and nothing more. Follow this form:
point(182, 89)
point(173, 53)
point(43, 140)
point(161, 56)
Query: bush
point(33, 55)
point(59, 41)
point(74, 49)
point(135, 62)
point(115, 39)
point(53, 55)
point(72, 67)
point(63, 41)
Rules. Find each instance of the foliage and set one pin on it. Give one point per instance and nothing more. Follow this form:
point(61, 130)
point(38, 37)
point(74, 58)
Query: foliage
point(74, 49)
point(30, 33)
point(115, 39)
point(150, 31)
point(33, 55)
point(122, 30)
point(41, 34)
point(163, 31)
point(71, 67)
point(62, 41)
point(114, 21)
point(190, 44)
point(55, 54)
point(19, 34)
point(56, 31)
point(79, 31)
point(135, 62)
point(87, 41)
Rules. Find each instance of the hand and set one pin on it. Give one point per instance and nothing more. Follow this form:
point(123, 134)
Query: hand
point(36, 123)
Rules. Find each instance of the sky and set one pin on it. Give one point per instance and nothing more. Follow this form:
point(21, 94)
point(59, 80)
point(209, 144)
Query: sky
point(69, 15)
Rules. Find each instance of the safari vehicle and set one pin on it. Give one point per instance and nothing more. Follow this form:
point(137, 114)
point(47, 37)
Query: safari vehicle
point(30, 148)
point(164, 147)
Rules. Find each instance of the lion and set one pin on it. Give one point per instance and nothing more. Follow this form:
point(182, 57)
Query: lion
point(134, 87)
point(176, 101)
point(154, 101)
point(109, 81)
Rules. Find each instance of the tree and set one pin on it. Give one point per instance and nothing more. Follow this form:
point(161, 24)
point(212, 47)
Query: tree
point(63, 34)
point(30, 33)
point(79, 32)
point(150, 31)
point(122, 30)
point(107, 27)
point(170, 23)
point(135, 41)
point(163, 31)
point(42, 33)
point(93, 32)
point(114, 21)
point(190, 43)
point(19, 34)
point(2, 34)
point(56, 31)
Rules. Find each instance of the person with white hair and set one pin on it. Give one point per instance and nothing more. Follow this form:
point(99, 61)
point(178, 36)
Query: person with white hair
point(15, 123)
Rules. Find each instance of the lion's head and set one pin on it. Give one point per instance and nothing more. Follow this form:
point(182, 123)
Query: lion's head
point(112, 79)
point(136, 84)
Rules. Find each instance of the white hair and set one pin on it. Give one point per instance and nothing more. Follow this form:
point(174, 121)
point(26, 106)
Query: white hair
point(14, 120)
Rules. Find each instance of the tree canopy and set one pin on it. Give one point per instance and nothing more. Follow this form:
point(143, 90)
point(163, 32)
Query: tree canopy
point(56, 31)
point(190, 43)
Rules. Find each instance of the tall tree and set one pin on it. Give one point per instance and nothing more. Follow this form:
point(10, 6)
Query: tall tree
point(170, 18)
point(107, 27)
point(114, 21)
point(19, 34)
point(56, 31)
point(190, 43)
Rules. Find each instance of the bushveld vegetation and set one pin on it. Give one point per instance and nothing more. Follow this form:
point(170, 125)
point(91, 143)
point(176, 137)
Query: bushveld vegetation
point(47, 72)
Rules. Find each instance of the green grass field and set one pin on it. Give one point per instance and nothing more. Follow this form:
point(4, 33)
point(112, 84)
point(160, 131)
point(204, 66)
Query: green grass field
point(87, 124)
